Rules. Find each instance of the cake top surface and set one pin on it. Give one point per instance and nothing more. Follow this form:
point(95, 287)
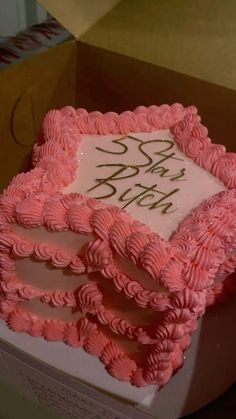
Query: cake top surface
point(145, 174)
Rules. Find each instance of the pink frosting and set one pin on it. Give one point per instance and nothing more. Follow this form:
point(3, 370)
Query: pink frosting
point(54, 329)
point(111, 351)
point(79, 219)
point(191, 137)
point(184, 267)
point(56, 213)
point(96, 344)
point(122, 368)
point(89, 298)
point(71, 336)
point(225, 168)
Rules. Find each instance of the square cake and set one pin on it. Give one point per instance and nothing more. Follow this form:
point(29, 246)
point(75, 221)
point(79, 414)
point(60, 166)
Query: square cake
point(120, 237)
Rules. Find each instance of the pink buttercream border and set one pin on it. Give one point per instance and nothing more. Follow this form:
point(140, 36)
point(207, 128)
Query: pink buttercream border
point(193, 256)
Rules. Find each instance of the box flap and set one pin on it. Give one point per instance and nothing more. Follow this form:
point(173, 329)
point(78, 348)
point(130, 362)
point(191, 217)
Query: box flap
point(78, 15)
point(189, 37)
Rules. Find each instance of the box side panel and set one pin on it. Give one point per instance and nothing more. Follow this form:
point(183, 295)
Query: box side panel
point(61, 393)
point(109, 81)
point(14, 405)
point(27, 91)
point(191, 37)
point(78, 15)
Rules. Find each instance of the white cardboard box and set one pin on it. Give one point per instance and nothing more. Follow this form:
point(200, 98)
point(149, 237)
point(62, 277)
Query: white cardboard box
point(53, 388)
point(47, 371)
point(62, 377)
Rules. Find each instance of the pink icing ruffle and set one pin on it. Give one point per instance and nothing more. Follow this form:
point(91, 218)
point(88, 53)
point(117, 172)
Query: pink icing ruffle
point(183, 268)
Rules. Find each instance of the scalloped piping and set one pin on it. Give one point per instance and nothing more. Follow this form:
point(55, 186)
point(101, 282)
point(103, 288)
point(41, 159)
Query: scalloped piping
point(32, 200)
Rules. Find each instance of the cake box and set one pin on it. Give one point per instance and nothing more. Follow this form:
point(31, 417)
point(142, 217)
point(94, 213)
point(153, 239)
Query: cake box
point(23, 97)
point(154, 404)
point(71, 77)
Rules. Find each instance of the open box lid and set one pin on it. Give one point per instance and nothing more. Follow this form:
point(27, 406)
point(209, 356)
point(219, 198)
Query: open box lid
point(77, 16)
point(185, 37)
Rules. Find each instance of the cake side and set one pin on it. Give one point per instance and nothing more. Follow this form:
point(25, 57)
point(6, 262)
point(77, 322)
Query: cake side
point(184, 268)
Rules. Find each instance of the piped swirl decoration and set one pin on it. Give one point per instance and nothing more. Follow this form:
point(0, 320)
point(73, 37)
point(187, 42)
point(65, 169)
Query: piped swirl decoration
point(183, 269)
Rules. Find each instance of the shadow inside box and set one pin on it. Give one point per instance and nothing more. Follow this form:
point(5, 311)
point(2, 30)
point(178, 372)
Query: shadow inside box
point(223, 407)
point(209, 370)
point(215, 365)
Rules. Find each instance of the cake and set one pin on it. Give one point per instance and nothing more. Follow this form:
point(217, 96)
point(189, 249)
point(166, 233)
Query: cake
point(120, 237)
